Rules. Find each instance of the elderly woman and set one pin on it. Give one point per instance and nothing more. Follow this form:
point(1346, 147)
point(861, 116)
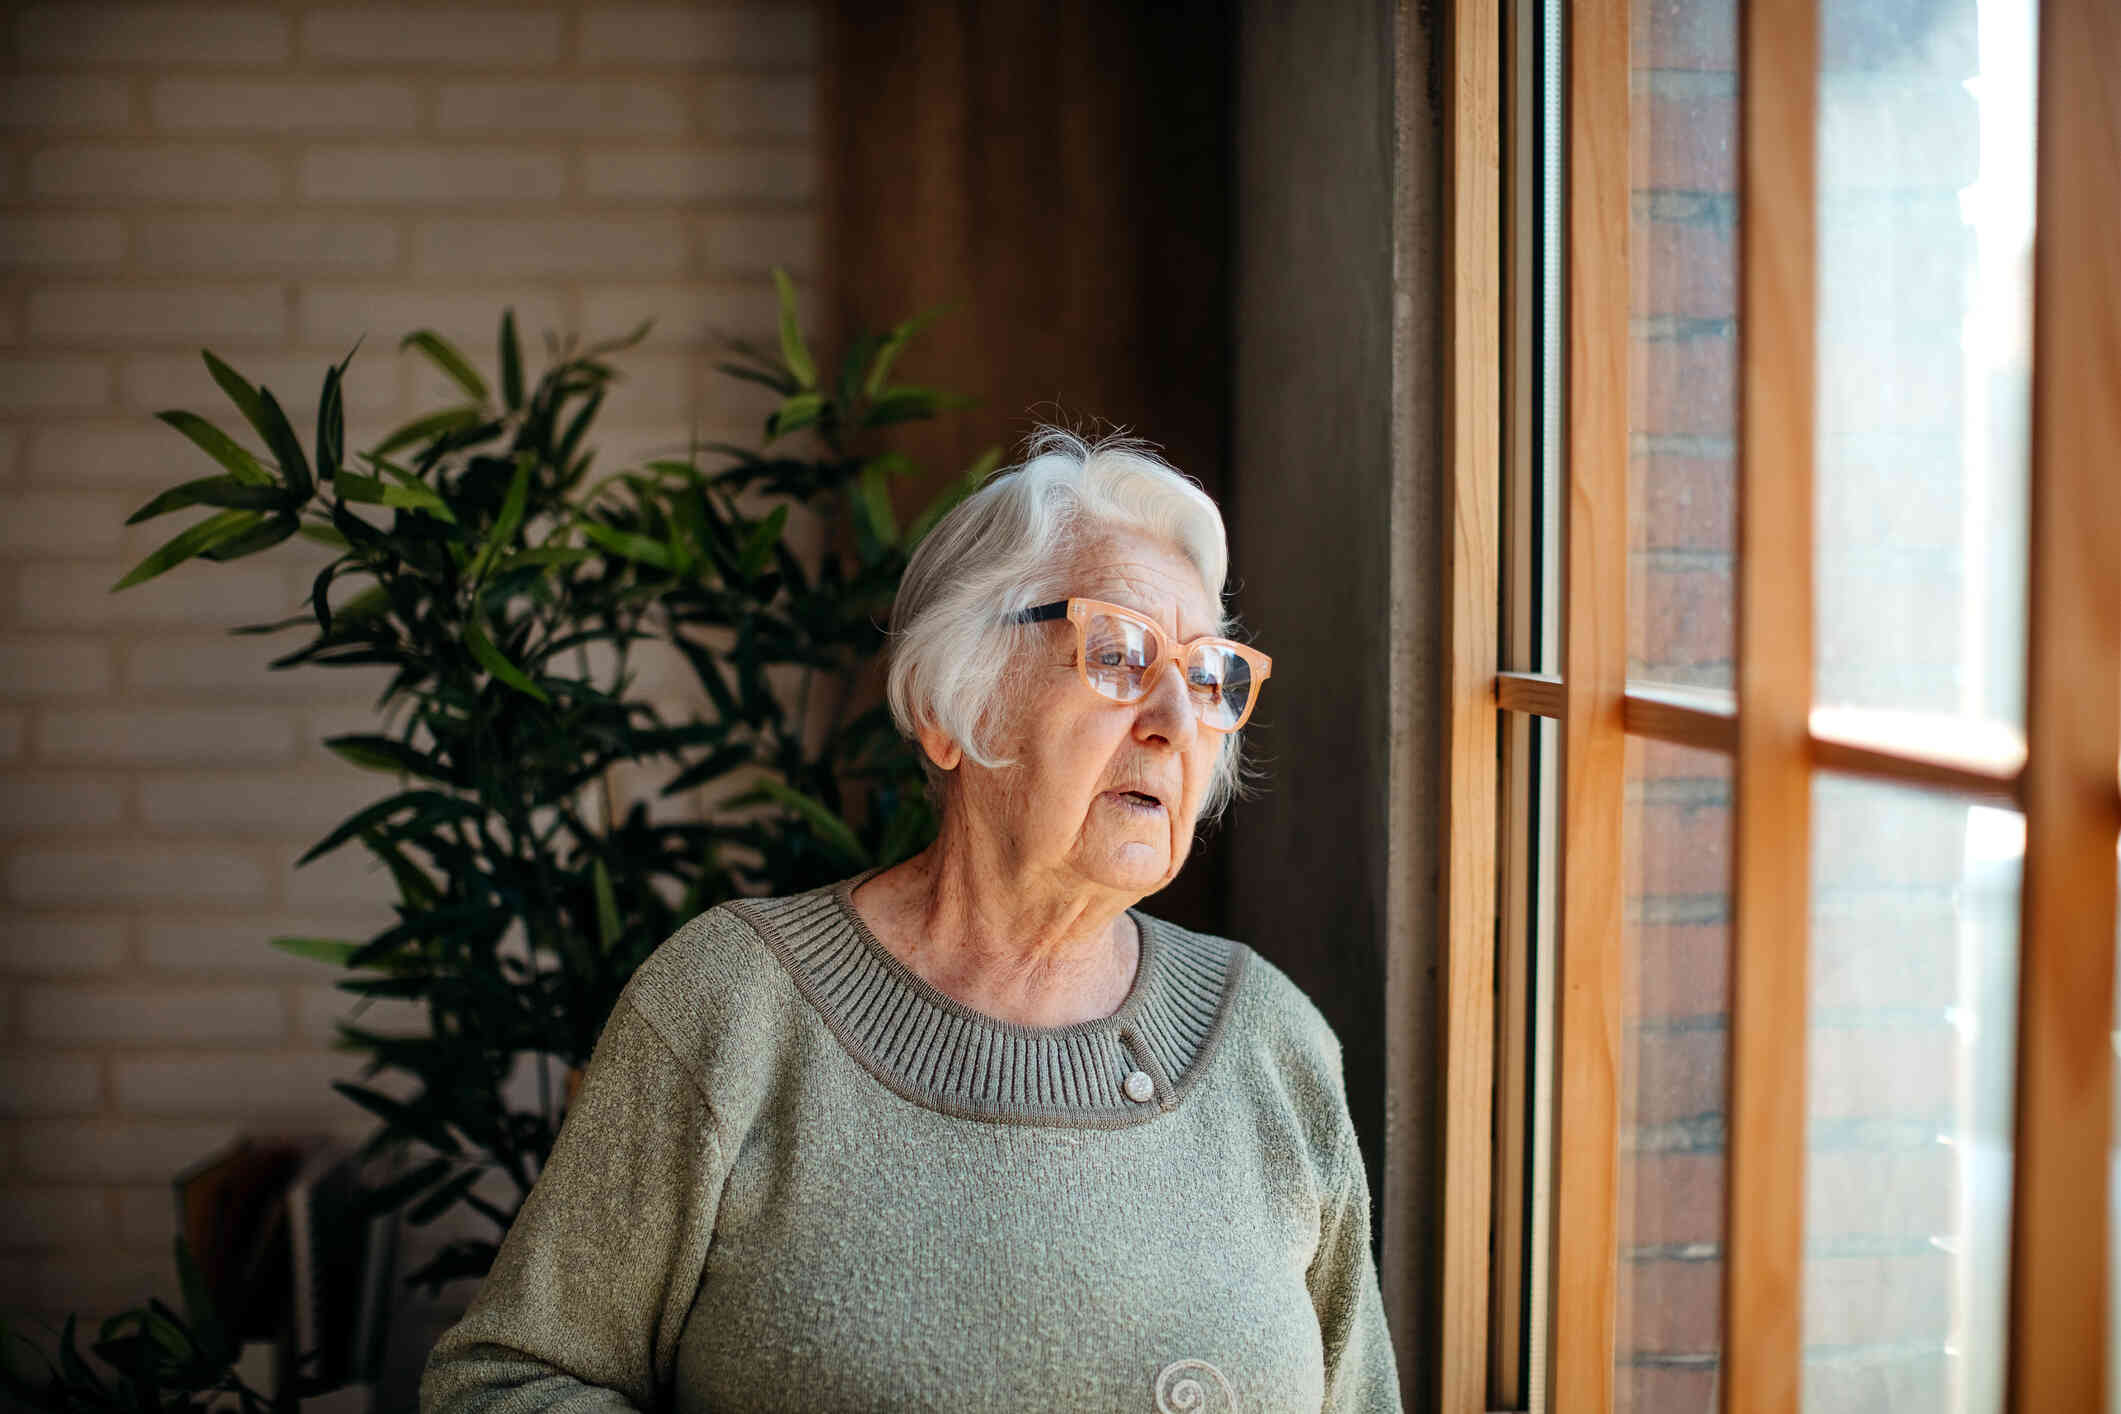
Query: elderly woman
point(973, 1132)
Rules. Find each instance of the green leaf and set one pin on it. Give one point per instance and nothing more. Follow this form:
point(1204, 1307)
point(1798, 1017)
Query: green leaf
point(780, 382)
point(335, 951)
point(130, 1354)
point(71, 1364)
point(400, 1116)
point(628, 545)
point(545, 555)
point(957, 491)
point(414, 886)
point(854, 365)
point(188, 543)
point(410, 496)
point(365, 490)
point(445, 356)
point(331, 426)
point(438, 1202)
point(887, 352)
point(383, 753)
point(563, 454)
point(793, 352)
point(368, 603)
point(831, 830)
point(324, 535)
point(716, 765)
point(280, 441)
point(261, 536)
point(491, 659)
point(511, 362)
point(690, 532)
point(875, 500)
point(624, 341)
point(758, 545)
point(608, 927)
point(168, 1333)
point(794, 414)
point(429, 427)
point(508, 521)
point(218, 445)
point(415, 496)
point(907, 405)
point(230, 491)
point(709, 673)
point(238, 389)
point(432, 807)
point(28, 1388)
point(297, 621)
point(390, 1195)
point(416, 984)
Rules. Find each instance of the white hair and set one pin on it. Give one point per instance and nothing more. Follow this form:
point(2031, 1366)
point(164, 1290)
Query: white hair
point(1010, 545)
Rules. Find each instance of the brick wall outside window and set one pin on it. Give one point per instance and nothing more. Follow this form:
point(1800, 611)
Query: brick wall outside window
point(1910, 938)
point(273, 181)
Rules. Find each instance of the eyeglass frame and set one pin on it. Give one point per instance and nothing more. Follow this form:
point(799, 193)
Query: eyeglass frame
point(1078, 612)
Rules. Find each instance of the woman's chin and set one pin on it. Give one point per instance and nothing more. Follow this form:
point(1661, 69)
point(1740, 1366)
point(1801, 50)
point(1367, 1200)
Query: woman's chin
point(1136, 866)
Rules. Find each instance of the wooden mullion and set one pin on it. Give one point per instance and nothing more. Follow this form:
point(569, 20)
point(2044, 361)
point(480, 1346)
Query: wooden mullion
point(1472, 432)
point(1593, 739)
point(1537, 693)
point(1841, 745)
point(1848, 742)
point(1771, 855)
point(1703, 721)
point(2060, 1243)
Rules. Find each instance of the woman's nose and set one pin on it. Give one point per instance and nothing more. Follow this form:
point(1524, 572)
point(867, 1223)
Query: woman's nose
point(1167, 710)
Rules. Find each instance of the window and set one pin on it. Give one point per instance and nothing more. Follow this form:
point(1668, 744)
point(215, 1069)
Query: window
point(1785, 706)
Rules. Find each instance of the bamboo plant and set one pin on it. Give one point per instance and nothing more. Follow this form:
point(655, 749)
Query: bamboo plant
point(509, 589)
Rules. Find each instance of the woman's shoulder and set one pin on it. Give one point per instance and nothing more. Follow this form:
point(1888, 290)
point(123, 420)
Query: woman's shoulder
point(712, 977)
point(706, 956)
point(1277, 1053)
point(1267, 1012)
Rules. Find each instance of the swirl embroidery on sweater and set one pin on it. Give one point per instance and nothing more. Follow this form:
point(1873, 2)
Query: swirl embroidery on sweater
point(1179, 1390)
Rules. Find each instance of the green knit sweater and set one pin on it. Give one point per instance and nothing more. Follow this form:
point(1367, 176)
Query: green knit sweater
point(797, 1176)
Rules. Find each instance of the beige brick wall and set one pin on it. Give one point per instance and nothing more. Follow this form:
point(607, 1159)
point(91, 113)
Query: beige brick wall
point(272, 181)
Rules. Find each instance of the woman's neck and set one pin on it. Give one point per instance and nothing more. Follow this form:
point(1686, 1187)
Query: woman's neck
point(1002, 940)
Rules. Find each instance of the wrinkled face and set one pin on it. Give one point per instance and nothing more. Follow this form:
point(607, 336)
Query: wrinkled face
point(1104, 794)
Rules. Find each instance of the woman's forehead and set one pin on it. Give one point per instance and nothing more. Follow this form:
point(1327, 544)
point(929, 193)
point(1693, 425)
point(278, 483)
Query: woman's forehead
point(1149, 576)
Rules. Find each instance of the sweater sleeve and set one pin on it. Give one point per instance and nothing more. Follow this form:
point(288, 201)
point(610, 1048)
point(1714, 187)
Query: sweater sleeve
point(592, 1285)
point(1360, 1371)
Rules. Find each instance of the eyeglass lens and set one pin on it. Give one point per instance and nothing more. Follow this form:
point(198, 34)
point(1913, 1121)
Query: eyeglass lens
point(1116, 657)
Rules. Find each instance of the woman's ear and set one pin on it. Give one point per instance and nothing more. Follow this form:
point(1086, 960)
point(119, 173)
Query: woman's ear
point(944, 752)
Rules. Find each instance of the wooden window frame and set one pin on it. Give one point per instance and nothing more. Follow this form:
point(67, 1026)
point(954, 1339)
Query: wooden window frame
point(2062, 776)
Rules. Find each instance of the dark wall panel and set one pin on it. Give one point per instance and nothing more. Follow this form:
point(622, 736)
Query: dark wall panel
point(1060, 175)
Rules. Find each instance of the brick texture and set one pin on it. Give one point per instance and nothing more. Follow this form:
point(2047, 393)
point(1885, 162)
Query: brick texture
point(273, 181)
point(96, 34)
point(1904, 971)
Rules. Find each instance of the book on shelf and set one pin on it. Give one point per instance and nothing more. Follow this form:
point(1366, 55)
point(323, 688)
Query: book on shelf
point(342, 1260)
point(288, 1255)
point(232, 1214)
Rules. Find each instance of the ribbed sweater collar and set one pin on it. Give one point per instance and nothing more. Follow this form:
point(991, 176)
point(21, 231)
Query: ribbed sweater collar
point(942, 1054)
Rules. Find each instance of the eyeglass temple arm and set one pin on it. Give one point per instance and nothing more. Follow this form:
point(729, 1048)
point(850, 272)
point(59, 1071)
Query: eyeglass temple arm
point(1058, 609)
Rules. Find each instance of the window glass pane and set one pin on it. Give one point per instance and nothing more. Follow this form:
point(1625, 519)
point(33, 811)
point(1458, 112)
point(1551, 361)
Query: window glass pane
point(1533, 312)
point(1683, 164)
point(1675, 1041)
point(1908, 1172)
point(1924, 226)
